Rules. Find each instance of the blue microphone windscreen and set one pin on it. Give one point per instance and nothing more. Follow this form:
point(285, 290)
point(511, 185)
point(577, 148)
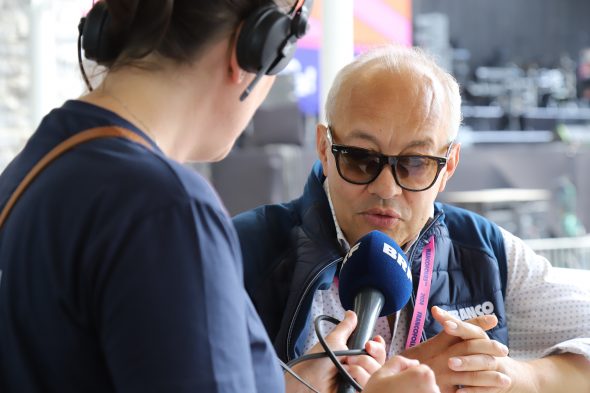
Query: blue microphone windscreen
point(377, 262)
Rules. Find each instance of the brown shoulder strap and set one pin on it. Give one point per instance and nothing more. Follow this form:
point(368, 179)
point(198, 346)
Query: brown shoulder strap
point(84, 136)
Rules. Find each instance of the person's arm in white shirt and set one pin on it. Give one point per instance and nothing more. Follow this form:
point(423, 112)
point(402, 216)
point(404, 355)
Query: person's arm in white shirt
point(548, 325)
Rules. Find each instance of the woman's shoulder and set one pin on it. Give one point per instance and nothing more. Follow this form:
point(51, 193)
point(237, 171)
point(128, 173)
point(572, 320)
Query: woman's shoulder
point(150, 175)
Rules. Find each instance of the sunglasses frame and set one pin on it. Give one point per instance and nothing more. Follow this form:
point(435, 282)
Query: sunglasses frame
point(384, 160)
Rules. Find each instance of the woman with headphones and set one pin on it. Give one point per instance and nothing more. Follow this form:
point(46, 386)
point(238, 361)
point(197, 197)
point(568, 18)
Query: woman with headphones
point(120, 270)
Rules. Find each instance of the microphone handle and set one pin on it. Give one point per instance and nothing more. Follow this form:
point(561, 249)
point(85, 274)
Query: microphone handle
point(367, 306)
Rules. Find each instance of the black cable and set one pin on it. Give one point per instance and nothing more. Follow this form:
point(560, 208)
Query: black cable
point(310, 356)
point(328, 353)
point(297, 377)
point(343, 373)
point(80, 29)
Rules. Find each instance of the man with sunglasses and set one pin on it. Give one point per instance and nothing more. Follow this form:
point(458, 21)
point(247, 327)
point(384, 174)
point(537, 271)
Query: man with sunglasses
point(386, 152)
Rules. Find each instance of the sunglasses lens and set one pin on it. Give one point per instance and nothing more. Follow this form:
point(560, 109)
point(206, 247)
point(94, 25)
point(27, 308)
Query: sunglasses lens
point(361, 166)
point(358, 166)
point(415, 172)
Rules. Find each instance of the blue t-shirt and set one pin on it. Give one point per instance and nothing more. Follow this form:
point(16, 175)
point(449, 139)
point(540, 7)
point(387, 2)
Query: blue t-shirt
point(121, 271)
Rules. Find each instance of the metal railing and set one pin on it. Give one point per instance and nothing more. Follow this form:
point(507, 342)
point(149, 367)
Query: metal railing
point(570, 252)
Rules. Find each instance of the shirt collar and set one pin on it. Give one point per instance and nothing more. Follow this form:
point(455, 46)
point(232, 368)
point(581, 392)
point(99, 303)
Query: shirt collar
point(339, 234)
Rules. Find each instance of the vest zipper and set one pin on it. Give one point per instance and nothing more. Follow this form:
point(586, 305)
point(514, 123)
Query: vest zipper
point(298, 308)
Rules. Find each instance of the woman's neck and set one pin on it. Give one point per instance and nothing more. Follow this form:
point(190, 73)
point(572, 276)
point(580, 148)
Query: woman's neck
point(157, 102)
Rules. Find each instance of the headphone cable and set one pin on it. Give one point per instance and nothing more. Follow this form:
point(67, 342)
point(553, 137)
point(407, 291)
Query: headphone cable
point(80, 64)
point(328, 353)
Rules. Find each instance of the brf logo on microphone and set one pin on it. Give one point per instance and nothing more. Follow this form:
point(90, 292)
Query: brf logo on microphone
point(396, 256)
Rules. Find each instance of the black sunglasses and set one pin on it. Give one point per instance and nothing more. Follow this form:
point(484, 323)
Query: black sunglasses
point(362, 166)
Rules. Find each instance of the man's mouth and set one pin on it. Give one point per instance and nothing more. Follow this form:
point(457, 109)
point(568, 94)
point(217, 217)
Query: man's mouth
point(381, 218)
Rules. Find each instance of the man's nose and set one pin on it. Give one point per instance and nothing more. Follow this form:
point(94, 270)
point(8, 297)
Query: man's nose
point(384, 186)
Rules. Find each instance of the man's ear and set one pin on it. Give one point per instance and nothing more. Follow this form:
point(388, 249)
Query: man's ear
point(322, 144)
point(451, 166)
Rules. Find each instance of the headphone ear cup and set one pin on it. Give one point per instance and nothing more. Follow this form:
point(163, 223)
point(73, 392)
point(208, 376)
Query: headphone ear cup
point(261, 40)
point(97, 43)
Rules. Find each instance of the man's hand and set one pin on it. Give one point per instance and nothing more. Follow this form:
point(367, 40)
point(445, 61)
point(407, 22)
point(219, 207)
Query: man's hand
point(463, 355)
point(322, 374)
point(402, 375)
point(552, 374)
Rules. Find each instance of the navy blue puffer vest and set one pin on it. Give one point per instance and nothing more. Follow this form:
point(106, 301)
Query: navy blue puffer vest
point(290, 251)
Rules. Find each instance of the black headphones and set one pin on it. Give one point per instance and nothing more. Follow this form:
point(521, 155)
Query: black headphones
point(267, 40)
point(96, 42)
point(265, 45)
point(94, 38)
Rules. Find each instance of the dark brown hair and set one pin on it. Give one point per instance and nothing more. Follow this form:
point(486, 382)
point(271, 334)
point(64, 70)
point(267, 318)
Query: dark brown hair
point(175, 29)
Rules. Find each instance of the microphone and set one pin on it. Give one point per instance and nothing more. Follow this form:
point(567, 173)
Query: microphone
point(375, 281)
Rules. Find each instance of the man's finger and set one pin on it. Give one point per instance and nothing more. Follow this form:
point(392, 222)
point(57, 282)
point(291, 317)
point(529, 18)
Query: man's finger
point(490, 379)
point(480, 362)
point(486, 322)
point(454, 332)
point(464, 330)
point(478, 347)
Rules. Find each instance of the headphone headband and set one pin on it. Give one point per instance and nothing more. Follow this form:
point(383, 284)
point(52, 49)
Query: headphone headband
point(267, 40)
point(265, 44)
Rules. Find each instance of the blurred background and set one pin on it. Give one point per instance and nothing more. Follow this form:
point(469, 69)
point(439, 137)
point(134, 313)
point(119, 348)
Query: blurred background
point(523, 66)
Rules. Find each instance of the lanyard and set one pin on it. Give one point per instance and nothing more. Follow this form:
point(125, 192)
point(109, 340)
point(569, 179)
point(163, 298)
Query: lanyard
point(421, 302)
